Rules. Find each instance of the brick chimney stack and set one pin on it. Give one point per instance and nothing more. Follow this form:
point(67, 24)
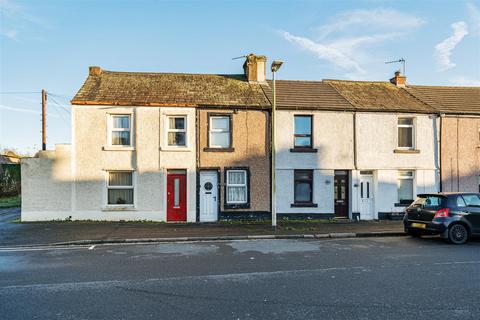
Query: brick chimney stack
point(255, 68)
point(95, 71)
point(398, 80)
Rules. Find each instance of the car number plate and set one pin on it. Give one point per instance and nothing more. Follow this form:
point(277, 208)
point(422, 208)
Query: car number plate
point(418, 225)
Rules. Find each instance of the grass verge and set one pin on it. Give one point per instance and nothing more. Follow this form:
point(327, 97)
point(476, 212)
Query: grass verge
point(9, 202)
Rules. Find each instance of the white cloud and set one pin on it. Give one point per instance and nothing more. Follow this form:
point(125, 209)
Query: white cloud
point(326, 52)
point(12, 34)
point(444, 49)
point(24, 110)
point(465, 81)
point(346, 40)
point(16, 19)
point(474, 13)
point(375, 18)
point(4, 107)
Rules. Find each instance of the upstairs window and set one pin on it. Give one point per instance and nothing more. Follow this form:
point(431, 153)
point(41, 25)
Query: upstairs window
point(220, 132)
point(406, 132)
point(405, 187)
point(236, 187)
point(177, 132)
point(303, 131)
point(120, 188)
point(120, 130)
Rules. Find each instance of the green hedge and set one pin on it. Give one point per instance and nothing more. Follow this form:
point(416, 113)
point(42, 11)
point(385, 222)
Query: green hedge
point(10, 180)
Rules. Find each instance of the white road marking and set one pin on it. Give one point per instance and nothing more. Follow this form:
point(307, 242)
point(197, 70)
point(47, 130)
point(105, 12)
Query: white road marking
point(26, 249)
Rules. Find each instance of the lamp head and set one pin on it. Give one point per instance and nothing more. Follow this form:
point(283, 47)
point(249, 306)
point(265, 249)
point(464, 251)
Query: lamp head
point(276, 64)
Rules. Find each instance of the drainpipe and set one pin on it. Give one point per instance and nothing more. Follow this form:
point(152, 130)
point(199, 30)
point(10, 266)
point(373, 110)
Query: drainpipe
point(355, 140)
point(439, 161)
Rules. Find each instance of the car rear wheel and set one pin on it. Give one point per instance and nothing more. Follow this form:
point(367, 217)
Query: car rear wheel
point(457, 234)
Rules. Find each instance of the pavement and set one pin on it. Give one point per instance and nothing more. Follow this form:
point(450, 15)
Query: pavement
point(365, 278)
point(65, 233)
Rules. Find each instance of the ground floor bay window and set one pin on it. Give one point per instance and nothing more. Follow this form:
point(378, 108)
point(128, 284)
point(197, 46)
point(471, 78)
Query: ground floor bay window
point(120, 188)
point(405, 187)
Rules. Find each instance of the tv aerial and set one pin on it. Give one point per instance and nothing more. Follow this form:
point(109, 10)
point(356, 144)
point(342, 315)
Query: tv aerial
point(402, 61)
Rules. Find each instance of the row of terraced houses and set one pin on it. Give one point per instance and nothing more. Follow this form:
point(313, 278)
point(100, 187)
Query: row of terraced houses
point(196, 148)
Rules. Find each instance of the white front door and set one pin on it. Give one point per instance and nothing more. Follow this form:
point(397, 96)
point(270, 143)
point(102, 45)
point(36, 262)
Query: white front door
point(366, 198)
point(208, 196)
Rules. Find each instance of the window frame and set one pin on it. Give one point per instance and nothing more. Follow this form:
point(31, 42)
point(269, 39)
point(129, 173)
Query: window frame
point(295, 135)
point(111, 129)
point(168, 130)
point(413, 126)
point(236, 204)
point(210, 130)
point(310, 181)
point(108, 187)
point(412, 177)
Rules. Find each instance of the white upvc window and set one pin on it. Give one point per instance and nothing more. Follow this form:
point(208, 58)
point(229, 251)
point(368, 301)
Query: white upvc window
point(219, 135)
point(120, 130)
point(406, 133)
point(405, 186)
point(236, 185)
point(177, 131)
point(120, 188)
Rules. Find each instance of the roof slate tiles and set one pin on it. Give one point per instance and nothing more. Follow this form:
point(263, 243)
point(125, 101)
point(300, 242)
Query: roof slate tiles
point(457, 100)
point(170, 89)
point(192, 90)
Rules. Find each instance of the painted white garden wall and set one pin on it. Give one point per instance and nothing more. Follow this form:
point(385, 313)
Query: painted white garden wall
point(46, 187)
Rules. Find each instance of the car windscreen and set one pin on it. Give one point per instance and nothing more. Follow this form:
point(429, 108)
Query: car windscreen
point(428, 201)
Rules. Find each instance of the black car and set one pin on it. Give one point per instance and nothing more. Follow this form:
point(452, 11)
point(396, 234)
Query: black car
point(454, 216)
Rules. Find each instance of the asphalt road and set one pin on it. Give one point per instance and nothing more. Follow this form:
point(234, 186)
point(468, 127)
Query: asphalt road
point(374, 278)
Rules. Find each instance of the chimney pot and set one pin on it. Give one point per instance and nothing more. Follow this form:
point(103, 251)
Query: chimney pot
point(399, 80)
point(95, 71)
point(255, 68)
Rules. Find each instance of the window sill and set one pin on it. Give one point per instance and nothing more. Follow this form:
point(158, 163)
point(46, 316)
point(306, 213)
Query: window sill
point(237, 206)
point(120, 208)
point(112, 148)
point(304, 205)
point(176, 149)
point(304, 150)
point(219, 149)
point(406, 151)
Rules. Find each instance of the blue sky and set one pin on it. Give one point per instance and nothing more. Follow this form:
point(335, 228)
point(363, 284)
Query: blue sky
point(50, 44)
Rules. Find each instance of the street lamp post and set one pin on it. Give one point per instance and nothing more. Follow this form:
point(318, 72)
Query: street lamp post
point(276, 64)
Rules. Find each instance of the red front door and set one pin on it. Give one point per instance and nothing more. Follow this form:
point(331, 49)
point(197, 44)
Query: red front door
point(176, 197)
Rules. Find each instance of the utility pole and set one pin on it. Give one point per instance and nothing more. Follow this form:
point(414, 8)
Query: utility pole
point(44, 119)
